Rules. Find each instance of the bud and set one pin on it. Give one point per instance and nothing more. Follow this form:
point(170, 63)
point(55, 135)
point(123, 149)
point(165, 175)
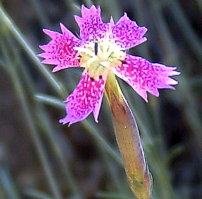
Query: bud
point(128, 139)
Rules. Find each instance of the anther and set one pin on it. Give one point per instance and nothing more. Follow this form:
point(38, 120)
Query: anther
point(96, 48)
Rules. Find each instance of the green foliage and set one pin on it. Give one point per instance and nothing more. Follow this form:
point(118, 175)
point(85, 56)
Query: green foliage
point(39, 158)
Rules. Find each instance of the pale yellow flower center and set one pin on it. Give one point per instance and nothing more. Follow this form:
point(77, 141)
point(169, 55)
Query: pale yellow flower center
point(99, 57)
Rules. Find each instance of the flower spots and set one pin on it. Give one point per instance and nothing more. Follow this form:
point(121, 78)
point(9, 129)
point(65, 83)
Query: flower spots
point(84, 98)
point(101, 50)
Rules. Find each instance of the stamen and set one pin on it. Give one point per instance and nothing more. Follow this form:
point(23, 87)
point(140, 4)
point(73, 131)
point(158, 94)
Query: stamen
point(96, 48)
point(100, 53)
point(84, 50)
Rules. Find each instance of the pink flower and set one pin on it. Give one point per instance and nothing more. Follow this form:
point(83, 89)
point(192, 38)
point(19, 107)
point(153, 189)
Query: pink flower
point(100, 50)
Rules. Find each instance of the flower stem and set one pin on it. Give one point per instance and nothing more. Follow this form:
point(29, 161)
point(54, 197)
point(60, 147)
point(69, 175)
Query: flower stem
point(128, 139)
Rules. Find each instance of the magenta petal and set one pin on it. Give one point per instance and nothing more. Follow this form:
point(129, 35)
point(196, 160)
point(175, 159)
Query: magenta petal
point(145, 76)
point(127, 33)
point(90, 24)
point(86, 98)
point(60, 50)
point(96, 110)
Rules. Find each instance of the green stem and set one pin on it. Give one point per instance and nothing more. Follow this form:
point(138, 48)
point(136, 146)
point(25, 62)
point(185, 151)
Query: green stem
point(8, 187)
point(25, 45)
point(128, 139)
point(12, 71)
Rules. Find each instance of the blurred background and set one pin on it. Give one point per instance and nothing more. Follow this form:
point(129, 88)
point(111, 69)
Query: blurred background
point(40, 158)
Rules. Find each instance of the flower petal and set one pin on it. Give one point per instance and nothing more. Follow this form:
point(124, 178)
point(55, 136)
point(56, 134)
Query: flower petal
point(145, 76)
point(86, 98)
point(96, 110)
point(127, 33)
point(59, 51)
point(91, 25)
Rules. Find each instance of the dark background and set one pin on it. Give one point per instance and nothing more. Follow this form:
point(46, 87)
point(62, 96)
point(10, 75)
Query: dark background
point(40, 158)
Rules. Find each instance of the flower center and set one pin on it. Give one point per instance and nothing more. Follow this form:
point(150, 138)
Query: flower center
point(99, 57)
